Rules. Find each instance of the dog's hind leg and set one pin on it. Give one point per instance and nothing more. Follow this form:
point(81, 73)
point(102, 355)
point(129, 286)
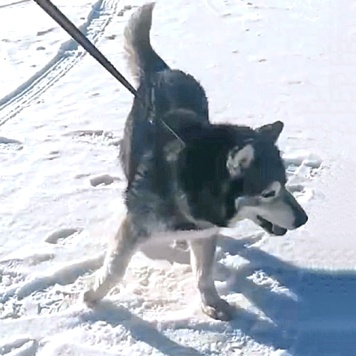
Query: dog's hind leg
point(116, 261)
point(202, 261)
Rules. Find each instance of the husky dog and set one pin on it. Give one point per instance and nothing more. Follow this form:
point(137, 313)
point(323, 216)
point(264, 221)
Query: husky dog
point(187, 177)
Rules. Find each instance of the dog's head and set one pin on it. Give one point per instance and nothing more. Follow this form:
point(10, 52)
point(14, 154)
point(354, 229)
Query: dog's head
point(258, 190)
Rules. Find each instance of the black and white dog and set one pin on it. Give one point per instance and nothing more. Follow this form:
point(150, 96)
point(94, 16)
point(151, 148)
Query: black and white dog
point(187, 177)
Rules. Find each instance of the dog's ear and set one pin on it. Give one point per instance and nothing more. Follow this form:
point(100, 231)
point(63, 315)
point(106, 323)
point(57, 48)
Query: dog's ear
point(239, 159)
point(271, 131)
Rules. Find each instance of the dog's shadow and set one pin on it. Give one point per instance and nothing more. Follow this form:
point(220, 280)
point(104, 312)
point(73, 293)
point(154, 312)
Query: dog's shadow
point(139, 329)
point(312, 312)
point(317, 315)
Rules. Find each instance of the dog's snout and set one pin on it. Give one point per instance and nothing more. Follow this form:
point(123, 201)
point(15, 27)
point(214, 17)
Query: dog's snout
point(300, 216)
point(301, 219)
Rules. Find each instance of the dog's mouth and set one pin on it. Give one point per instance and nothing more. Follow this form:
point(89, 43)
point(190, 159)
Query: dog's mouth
point(271, 228)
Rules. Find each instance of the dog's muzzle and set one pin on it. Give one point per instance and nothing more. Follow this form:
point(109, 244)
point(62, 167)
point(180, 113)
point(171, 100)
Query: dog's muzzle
point(275, 218)
point(271, 228)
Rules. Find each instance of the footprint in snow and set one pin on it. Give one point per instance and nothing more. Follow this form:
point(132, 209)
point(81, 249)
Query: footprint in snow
point(52, 155)
point(5, 140)
point(295, 82)
point(41, 33)
point(94, 136)
point(19, 346)
point(104, 179)
point(90, 133)
point(301, 167)
point(125, 9)
point(61, 236)
point(298, 159)
point(111, 37)
point(7, 144)
point(296, 188)
point(10, 274)
point(62, 281)
point(20, 260)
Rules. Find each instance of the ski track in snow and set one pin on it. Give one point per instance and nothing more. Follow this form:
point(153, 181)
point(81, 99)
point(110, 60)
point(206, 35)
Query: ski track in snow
point(68, 55)
point(14, 3)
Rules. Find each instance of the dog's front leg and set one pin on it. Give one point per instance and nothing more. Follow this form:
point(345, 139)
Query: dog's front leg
point(202, 258)
point(117, 258)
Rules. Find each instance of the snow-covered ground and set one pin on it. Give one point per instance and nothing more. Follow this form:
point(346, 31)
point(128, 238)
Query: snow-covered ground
point(61, 118)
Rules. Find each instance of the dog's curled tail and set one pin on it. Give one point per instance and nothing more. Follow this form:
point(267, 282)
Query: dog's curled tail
point(142, 59)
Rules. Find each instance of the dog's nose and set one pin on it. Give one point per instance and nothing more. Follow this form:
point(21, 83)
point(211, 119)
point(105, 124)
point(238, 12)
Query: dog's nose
point(300, 219)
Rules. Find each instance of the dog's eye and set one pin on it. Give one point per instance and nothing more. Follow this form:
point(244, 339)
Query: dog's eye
point(268, 194)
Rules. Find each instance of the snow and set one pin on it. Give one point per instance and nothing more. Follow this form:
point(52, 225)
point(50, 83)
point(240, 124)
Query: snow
point(61, 119)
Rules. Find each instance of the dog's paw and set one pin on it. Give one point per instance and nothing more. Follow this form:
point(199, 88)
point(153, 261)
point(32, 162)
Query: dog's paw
point(219, 310)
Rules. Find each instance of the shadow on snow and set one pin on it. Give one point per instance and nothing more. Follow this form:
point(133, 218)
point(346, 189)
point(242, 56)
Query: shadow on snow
point(317, 317)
